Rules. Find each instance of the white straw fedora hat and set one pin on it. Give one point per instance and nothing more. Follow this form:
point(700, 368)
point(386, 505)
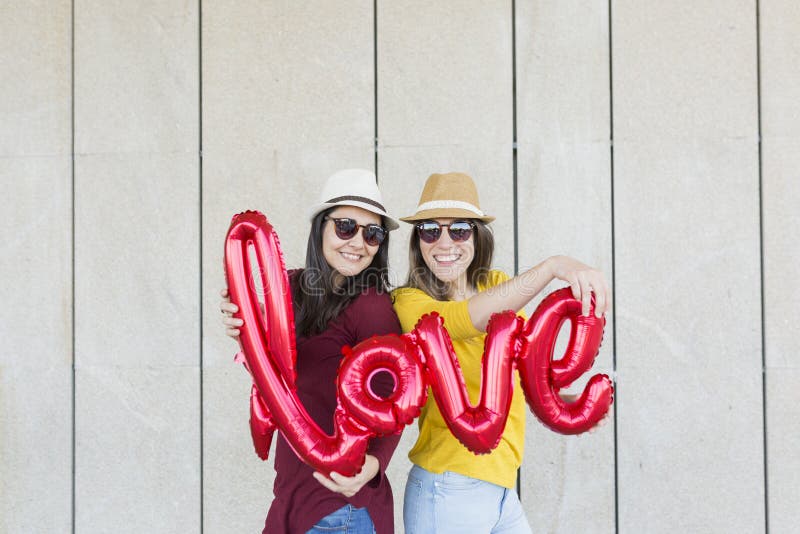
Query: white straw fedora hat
point(450, 195)
point(353, 187)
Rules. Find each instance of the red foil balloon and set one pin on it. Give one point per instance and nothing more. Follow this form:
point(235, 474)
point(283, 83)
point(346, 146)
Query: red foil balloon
point(478, 427)
point(395, 355)
point(542, 377)
point(261, 424)
point(415, 360)
point(267, 341)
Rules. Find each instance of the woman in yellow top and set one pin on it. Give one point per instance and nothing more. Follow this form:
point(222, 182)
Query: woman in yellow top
point(450, 489)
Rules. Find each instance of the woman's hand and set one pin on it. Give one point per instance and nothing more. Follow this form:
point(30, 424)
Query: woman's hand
point(349, 486)
point(570, 397)
point(583, 280)
point(228, 308)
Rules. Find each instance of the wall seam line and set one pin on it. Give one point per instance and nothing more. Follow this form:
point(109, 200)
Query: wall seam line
point(200, 248)
point(73, 451)
point(514, 165)
point(613, 259)
point(761, 267)
point(375, 84)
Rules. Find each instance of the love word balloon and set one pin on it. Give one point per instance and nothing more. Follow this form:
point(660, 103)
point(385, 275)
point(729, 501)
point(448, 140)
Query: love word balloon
point(421, 358)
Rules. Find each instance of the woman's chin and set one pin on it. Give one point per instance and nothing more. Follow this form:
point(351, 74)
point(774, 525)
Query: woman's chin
point(349, 270)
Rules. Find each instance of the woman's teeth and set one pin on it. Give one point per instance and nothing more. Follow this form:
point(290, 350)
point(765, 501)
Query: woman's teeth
point(447, 259)
point(351, 257)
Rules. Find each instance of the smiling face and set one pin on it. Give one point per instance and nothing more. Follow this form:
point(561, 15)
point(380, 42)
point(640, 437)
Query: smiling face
point(448, 260)
point(348, 256)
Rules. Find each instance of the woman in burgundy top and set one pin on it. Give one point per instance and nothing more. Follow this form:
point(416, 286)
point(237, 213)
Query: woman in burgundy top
point(340, 298)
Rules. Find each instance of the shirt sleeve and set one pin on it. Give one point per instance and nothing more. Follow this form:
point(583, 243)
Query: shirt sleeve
point(411, 304)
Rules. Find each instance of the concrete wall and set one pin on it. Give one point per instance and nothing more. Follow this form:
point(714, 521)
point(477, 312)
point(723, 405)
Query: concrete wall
point(658, 141)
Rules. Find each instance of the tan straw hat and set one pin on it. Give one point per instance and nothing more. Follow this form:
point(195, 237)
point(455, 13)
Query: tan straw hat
point(445, 196)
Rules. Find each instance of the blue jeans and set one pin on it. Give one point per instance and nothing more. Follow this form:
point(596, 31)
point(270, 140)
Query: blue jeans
point(346, 520)
point(452, 503)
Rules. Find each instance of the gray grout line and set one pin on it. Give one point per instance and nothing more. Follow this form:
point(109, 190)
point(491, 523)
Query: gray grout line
point(761, 262)
point(72, 158)
point(613, 261)
point(200, 224)
point(375, 80)
point(514, 164)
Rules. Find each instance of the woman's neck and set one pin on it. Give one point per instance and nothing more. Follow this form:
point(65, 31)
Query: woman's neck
point(460, 289)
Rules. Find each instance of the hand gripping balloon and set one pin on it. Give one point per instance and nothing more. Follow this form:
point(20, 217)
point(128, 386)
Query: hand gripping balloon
point(268, 344)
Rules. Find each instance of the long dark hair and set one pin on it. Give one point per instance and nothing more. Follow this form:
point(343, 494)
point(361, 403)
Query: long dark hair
point(316, 296)
point(421, 277)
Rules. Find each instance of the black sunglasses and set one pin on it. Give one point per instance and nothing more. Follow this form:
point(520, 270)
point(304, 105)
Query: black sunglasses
point(347, 228)
point(431, 231)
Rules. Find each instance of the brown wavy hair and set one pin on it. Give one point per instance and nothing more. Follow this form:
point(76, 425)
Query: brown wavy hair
point(421, 277)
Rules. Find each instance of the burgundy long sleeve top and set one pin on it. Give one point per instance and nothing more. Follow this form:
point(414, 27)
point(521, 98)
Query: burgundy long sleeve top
point(300, 501)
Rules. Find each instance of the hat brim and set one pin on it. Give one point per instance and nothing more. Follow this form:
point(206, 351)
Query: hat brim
point(445, 213)
point(389, 221)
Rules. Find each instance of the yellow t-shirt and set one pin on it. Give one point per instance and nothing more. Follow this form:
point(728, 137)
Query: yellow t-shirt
point(437, 450)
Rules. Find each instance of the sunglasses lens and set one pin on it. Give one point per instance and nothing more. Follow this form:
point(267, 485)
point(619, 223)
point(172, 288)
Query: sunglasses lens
point(429, 231)
point(460, 231)
point(374, 235)
point(345, 228)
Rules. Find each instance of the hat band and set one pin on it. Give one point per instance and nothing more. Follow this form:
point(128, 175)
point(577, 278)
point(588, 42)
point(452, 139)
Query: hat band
point(439, 204)
point(351, 198)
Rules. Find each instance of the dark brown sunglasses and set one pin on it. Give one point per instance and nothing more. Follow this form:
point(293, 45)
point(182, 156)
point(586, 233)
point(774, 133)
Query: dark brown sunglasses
point(431, 231)
point(347, 228)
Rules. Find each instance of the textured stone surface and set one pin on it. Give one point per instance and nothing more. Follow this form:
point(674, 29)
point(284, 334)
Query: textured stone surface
point(36, 268)
point(35, 344)
point(684, 70)
point(36, 264)
point(568, 481)
point(237, 483)
point(137, 449)
point(444, 73)
point(562, 73)
point(783, 428)
point(688, 337)
point(137, 260)
point(136, 76)
point(780, 129)
point(689, 371)
point(137, 267)
point(35, 44)
point(780, 80)
point(36, 445)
